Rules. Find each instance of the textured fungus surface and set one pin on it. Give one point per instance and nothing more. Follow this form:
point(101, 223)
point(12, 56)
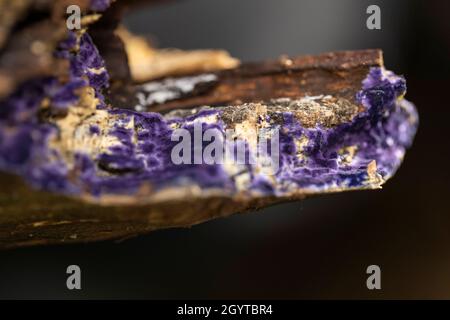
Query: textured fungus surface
point(62, 135)
point(325, 143)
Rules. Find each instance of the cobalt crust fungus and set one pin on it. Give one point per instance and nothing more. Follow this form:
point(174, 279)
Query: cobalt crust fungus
point(87, 119)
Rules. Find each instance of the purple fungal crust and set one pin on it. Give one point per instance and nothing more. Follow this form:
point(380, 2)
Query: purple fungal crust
point(86, 64)
point(147, 160)
point(381, 133)
point(361, 153)
point(99, 5)
point(24, 136)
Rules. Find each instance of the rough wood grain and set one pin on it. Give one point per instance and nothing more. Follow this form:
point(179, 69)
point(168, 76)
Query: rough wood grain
point(334, 73)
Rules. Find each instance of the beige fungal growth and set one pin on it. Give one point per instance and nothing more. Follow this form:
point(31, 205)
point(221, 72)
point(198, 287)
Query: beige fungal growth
point(148, 63)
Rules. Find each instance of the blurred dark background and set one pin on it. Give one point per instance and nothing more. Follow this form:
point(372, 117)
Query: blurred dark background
point(317, 248)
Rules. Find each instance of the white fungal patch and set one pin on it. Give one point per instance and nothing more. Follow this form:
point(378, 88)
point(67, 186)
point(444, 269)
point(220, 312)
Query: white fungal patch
point(170, 89)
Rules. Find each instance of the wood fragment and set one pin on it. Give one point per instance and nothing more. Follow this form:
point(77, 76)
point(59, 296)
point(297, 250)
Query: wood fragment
point(31, 217)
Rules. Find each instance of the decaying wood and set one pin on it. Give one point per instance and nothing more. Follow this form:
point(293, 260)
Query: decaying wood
point(31, 29)
point(29, 32)
point(335, 73)
point(147, 63)
point(30, 217)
